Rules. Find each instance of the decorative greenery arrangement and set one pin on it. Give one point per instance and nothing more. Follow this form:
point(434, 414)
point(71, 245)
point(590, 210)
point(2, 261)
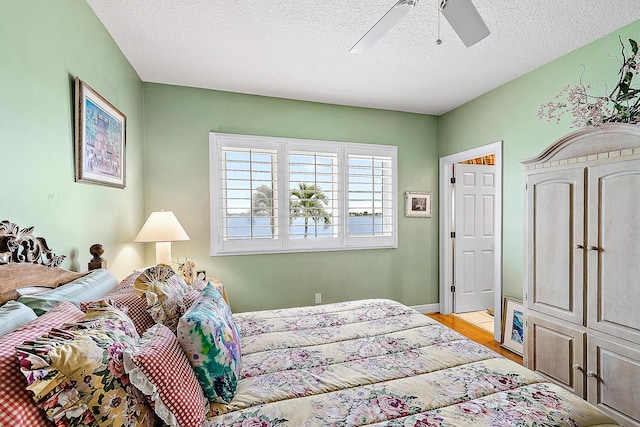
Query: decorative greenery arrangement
point(621, 105)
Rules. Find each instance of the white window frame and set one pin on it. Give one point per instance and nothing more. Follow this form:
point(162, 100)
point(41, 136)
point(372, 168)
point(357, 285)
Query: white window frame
point(283, 244)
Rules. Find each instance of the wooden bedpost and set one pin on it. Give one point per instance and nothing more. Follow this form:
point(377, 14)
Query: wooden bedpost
point(97, 261)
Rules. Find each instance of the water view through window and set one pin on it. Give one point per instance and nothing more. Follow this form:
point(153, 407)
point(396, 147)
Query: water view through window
point(244, 227)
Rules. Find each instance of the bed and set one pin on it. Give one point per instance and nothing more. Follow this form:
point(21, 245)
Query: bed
point(368, 362)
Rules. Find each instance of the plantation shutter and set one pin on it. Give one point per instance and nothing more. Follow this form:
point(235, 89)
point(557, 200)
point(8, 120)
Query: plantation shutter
point(249, 194)
point(370, 196)
point(313, 195)
point(274, 195)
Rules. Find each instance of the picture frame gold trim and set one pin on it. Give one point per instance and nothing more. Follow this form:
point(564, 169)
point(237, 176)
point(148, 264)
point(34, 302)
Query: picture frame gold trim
point(100, 139)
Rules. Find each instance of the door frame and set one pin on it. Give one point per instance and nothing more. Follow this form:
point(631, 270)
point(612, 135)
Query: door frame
point(446, 220)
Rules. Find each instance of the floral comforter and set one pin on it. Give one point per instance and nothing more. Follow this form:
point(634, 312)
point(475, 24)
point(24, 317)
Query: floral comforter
point(378, 362)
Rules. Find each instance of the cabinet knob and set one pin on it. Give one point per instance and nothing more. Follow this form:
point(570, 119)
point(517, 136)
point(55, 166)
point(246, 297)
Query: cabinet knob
point(594, 248)
point(579, 247)
point(577, 367)
point(591, 374)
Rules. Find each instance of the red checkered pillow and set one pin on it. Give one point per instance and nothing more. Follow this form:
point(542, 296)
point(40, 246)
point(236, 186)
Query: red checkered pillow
point(130, 279)
point(127, 300)
point(158, 367)
point(16, 405)
point(190, 298)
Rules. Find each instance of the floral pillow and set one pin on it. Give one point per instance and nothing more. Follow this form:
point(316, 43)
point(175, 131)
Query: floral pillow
point(158, 367)
point(76, 372)
point(209, 337)
point(16, 405)
point(164, 291)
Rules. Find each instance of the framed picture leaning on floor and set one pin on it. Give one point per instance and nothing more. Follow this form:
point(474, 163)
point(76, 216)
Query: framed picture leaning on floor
point(513, 325)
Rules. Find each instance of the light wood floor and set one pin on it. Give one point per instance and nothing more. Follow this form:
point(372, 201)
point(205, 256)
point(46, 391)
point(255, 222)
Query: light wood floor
point(474, 333)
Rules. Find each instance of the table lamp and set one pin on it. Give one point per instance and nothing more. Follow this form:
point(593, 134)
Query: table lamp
point(162, 227)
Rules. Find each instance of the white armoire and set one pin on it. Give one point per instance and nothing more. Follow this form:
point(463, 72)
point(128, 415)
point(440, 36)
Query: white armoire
point(582, 267)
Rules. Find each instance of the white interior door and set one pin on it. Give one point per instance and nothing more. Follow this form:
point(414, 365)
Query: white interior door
point(474, 242)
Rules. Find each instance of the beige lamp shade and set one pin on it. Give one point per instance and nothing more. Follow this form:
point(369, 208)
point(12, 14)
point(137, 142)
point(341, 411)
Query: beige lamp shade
point(163, 228)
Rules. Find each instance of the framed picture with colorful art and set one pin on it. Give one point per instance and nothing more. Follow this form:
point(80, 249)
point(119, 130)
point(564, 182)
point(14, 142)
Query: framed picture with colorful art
point(100, 138)
point(513, 326)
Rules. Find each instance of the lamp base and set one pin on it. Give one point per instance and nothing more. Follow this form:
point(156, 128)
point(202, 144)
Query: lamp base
point(163, 253)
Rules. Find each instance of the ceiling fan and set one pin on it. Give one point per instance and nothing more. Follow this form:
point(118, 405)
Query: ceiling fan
point(462, 15)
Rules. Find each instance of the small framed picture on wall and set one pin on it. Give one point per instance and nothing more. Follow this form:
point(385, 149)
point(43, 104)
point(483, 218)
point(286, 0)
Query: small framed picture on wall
point(100, 133)
point(417, 204)
point(513, 326)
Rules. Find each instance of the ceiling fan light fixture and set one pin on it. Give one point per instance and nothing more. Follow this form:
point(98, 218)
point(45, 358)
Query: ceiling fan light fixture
point(391, 18)
point(465, 20)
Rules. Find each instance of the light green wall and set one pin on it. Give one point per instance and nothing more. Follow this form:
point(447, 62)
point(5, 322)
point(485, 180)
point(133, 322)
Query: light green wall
point(177, 125)
point(44, 45)
point(509, 113)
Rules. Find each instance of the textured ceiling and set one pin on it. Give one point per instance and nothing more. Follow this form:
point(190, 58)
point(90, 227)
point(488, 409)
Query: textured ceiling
point(300, 49)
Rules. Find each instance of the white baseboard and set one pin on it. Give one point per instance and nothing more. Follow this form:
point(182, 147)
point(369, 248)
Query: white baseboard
point(427, 308)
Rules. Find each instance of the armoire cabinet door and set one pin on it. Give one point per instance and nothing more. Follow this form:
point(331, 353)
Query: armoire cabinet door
point(614, 249)
point(555, 240)
point(613, 378)
point(556, 350)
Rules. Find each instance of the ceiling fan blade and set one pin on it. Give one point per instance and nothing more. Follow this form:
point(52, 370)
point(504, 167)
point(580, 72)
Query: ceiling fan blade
point(395, 14)
point(465, 20)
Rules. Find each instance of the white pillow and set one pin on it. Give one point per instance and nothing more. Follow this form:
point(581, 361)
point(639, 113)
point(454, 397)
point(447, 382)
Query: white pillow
point(30, 290)
point(14, 314)
point(91, 287)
